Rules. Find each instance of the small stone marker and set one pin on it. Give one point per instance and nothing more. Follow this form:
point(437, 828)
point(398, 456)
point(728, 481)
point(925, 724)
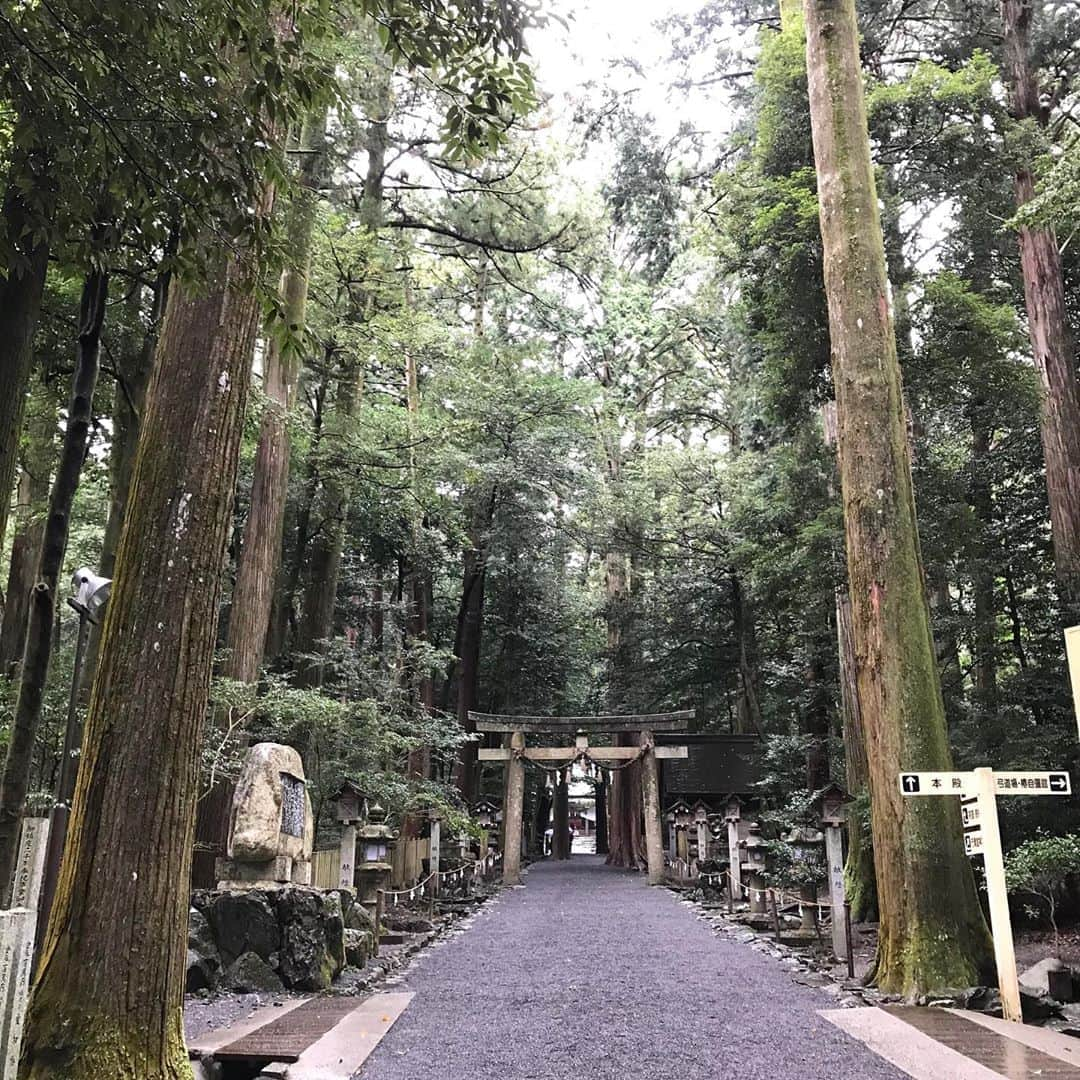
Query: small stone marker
point(17, 930)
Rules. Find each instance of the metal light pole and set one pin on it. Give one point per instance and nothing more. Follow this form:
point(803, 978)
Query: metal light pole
point(91, 596)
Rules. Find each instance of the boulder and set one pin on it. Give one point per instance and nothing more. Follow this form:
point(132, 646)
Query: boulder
point(202, 973)
point(203, 959)
point(250, 973)
point(1049, 976)
point(312, 938)
point(245, 922)
point(406, 923)
point(357, 917)
point(358, 947)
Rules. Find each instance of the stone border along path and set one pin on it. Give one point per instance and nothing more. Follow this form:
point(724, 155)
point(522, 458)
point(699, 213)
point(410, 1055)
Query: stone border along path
point(586, 973)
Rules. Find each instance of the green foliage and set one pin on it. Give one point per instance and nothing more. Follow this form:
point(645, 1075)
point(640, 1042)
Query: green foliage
point(1042, 867)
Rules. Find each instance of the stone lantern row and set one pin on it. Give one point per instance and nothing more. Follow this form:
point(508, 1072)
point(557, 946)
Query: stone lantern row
point(748, 851)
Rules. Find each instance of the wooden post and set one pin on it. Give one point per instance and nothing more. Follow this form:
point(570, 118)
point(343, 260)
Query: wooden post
point(380, 905)
point(734, 858)
point(998, 897)
point(512, 810)
point(650, 798)
point(1072, 654)
point(834, 859)
point(347, 858)
point(702, 840)
point(434, 856)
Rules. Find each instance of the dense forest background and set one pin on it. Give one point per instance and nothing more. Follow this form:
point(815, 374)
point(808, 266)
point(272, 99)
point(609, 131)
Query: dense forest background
point(544, 426)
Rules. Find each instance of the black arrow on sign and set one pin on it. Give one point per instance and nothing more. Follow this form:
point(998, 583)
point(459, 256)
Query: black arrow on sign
point(911, 782)
point(1058, 781)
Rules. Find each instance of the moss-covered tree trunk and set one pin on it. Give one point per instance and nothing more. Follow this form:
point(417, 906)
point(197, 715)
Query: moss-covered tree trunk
point(21, 288)
point(932, 932)
point(108, 1001)
point(859, 882)
point(38, 647)
point(38, 456)
point(1048, 325)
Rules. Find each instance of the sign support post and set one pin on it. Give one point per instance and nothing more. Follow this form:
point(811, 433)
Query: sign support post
point(997, 895)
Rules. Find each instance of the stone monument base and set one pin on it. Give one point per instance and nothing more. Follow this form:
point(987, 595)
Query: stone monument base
point(273, 873)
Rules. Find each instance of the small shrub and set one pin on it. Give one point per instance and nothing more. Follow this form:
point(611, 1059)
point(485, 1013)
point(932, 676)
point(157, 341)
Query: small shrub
point(1041, 866)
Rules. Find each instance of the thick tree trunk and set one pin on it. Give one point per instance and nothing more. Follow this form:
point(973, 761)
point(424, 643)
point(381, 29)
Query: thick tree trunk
point(129, 397)
point(859, 880)
point(471, 625)
point(982, 576)
point(932, 932)
point(747, 708)
point(320, 592)
point(43, 601)
point(109, 996)
point(260, 552)
point(30, 512)
point(626, 840)
point(560, 829)
point(20, 301)
point(1048, 325)
point(601, 817)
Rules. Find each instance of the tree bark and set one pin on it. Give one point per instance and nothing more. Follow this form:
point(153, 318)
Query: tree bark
point(859, 880)
point(37, 651)
point(129, 397)
point(109, 995)
point(560, 829)
point(982, 576)
point(601, 817)
point(932, 932)
point(33, 498)
point(260, 552)
point(747, 708)
point(1048, 325)
point(20, 301)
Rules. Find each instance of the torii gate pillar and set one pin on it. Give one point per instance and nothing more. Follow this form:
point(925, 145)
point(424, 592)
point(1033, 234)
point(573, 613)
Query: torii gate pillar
point(650, 800)
point(512, 812)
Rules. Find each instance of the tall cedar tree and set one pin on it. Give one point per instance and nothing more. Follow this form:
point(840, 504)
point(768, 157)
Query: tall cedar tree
point(932, 929)
point(109, 995)
point(1048, 327)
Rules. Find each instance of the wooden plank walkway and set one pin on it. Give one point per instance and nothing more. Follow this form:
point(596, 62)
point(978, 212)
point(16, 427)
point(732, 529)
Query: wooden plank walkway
point(288, 1036)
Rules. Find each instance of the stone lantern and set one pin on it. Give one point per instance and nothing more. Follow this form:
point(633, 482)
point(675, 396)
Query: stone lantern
point(807, 844)
point(754, 866)
point(488, 814)
point(376, 841)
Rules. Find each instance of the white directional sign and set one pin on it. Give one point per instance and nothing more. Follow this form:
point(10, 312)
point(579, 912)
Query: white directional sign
point(969, 813)
point(973, 842)
point(1005, 783)
point(1032, 783)
point(937, 783)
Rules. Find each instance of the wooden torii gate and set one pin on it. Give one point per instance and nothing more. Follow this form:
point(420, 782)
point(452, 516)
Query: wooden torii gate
point(517, 753)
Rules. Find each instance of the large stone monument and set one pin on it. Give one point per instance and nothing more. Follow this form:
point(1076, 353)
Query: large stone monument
point(271, 828)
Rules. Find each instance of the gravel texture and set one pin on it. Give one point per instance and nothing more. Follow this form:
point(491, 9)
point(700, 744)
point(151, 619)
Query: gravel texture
point(586, 973)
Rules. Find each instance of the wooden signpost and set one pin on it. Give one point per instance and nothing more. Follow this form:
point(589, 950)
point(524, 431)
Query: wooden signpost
point(978, 791)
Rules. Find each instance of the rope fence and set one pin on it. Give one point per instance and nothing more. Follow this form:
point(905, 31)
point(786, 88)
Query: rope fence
point(476, 868)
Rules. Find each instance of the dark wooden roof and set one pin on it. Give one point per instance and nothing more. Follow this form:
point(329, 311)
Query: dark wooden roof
point(716, 766)
point(671, 721)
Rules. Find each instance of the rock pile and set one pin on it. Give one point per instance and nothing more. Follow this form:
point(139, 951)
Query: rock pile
point(296, 938)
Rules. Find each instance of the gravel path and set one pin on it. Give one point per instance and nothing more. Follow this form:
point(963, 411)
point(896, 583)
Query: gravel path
point(588, 974)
